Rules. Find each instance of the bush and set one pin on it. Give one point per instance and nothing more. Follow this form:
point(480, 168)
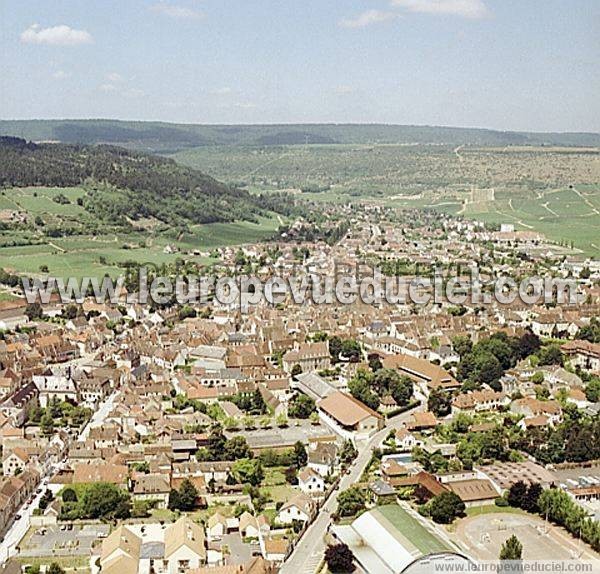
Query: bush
point(501, 501)
point(339, 558)
point(69, 495)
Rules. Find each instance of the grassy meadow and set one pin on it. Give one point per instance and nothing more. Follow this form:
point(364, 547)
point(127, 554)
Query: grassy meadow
point(29, 251)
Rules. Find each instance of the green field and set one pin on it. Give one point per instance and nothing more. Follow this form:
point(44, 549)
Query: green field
point(28, 250)
point(411, 529)
point(555, 191)
point(5, 296)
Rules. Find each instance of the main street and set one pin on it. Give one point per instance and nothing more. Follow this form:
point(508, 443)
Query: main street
point(308, 553)
point(19, 527)
point(99, 416)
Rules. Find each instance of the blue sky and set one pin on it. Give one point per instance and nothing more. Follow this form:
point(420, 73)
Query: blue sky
point(504, 64)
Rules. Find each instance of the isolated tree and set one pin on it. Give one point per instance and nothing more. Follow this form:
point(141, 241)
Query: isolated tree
point(592, 391)
point(462, 344)
point(33, 311)
point(339, 559)
point(374, 362)
point(383, 379)
point(402, 391)
point(301, 407)
point(300, 454)
point(551, 355)
point(69, 495)
point(529, 344)
point(360, 388)
point(512, 549)
point(216, 443)
point(348, 452)
point(187, 495)
point(47, 424)
point(446, 507)
point(236, 448)
point(105, 500)
point(439, 402)
point(291, 475)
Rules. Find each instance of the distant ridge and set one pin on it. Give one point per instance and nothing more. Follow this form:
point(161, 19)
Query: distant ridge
point(164, 137)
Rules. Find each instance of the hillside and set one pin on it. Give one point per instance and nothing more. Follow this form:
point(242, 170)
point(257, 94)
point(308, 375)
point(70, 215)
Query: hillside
point(169, 138)
point(122, 185)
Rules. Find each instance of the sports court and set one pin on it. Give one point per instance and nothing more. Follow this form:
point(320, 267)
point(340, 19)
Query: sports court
point(484, 535)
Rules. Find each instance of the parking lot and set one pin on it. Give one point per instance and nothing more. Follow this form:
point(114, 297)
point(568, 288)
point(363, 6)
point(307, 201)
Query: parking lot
point(239, 551)
point(64, 540)
point(578, 476)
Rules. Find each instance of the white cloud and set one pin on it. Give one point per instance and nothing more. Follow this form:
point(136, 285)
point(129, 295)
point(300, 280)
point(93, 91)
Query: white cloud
point(178, 12)
point(61, 75)
point(116, 87)
point(465, 8)
point(367, 18)
point(114, 78)
point(55, 36)
point(222, 91)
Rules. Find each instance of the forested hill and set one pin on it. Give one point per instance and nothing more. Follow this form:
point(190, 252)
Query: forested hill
point(166, 138)
point(123, 184)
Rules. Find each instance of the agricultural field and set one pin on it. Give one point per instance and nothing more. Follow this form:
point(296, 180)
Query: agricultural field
point(31, 251)
point(555, 191)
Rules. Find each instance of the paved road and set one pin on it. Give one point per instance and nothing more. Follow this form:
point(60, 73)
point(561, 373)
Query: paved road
point(99, 416)
point(309, 551)
point(20, 527)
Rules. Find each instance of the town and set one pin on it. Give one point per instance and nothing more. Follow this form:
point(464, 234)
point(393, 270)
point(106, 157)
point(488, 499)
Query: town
point(205, 439)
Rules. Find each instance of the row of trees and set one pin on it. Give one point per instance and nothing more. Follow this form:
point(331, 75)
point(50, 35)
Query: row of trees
point(219, 447)
point(558, 507)
point(183, 499)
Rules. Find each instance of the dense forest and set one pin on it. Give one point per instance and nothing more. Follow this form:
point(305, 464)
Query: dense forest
point(123, 184)
point(169, 138)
